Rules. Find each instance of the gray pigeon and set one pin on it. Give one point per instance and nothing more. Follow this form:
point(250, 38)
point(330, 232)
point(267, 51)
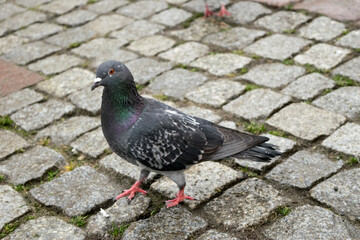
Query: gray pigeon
point(159, 138)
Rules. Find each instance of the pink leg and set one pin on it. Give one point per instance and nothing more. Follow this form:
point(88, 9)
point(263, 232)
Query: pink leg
point(223, 11)
point(180, 197)
point(207, 12)
point(135, 188)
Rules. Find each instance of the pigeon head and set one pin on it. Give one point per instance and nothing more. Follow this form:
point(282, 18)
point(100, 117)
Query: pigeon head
point(111, 74)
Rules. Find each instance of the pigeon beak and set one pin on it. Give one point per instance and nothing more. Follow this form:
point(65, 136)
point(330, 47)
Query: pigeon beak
point(97, 82)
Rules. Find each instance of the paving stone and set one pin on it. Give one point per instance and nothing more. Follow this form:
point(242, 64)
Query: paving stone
point(31, 3)
point(173, 223)
point(222, 63)
point(176, 83)
point(303, 169)
point(199, 6)
point(282, 21)
point(203, 181)
point(185, 53)
point(201, 113)
point(119, 54)
point(55, 64)
point(175, 2)
point(277, 46)
point(246, 204)
point(345, 200)
point(152, 45)
point(106, 6)
point(215, 235)
point(305, 121)
point(12, 205)
point(171, 17)
point(98, 47)
point(234, 38)
point(144, 69)
point(18, 100)
point(39, 115)
point(10, 142)
point(62, 6)
point(67, 82)
point(345, 139)
point(39, 30)
point(273, 75)
point(350, 69)
point(99, 225)
point(92, 143)
point(29, 52)
point(256, 104)
point(67, 130)
point(277, 3)
point(33, 164)
point(107, 23)
point(142, 9)
point(76, 192)
point(87, 100)
point(216, 93)
point(308, 86)
point(72, 35)
point(322, 29)
point(120, 166)
point(284, 145)
point(76, 17)
point(10, 42)
point(47, 228)
point(351, 39)
point(9, 9)
point(228, 124)
point(322, 56)
point(344, 101)
point(311, 222)
point(245, 11)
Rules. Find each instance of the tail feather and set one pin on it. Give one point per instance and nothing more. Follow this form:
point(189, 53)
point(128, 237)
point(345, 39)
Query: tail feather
point(262, 153)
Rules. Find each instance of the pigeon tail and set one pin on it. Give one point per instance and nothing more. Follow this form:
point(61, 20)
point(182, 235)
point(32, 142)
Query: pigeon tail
point(261, 153)
point(180, 197)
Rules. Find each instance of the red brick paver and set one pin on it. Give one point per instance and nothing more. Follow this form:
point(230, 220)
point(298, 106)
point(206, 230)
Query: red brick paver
point(14, 78)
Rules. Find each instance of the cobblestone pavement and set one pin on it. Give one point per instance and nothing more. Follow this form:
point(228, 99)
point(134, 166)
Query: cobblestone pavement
point(288, 69)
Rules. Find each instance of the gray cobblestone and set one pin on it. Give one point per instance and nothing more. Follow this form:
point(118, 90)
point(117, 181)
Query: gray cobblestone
point(62, 6)
point(185, 53)
point(9, 9)
point(106, 6)
point(87, 100)
point(142, 9)
point(118, 54)
point(350, 69)
point(201, 113)
point(38, 31)
point(92, 143)
point(108, 23)
point(351, 39)
point(151, 45)
point(246, 11)
point(98, 47)
point(10, 42)
point(215, 235)
point(55, 64)
point(10, 142)
point(199, 6)
point(31, 3)
point(171, 17)
point(71, 36)
point(322, 29)
point(76, 17)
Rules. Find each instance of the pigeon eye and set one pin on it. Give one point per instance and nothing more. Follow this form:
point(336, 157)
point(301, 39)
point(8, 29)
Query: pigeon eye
point(111, 71)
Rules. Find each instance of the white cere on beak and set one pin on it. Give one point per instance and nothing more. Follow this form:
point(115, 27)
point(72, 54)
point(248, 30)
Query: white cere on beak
point(97, 80)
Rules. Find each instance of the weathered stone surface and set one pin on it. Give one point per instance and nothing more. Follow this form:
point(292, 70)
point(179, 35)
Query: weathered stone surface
point(350, 69)
point(118, 54)
point(98, 47)
point(322, 29)
point(76, 192)
point(107, 23)
point(273, 75)
point(247, 203)
point(55, 64)
point(199, 6)
point(100, 224)
point(71, 35)
point(9, 9)
point(201, 113)
point(351, 39)
point(176, 83)
point(12, 205)
point(29, 52)
point(144, 69)
point(39, 30)
point(87, 100)
point(66, 131)
point(282, 21)
point(106, 6)
point(30, 165)
point(255, 104)
point(47, 228)
point(173, 223)
point(18, 100)
point(228, 124)
point(222, 63)
point(305, 121)
point(311, 222)
point(303, 169)
point(345, 101)
point(152, 45)
point(171, 17)
point(346, 199)
point(308, 86)
point(234, 38)
point(92, 143)
point(345, 139)
point(216, 93)
point(277, 3)
point(277, 46)
point(176, 2)
point(62, 6)
point(322, 56)
point(215, 235)
point(67, 82)
point(245, 11)
point(76, 17)
point(142, 9)
point(10, 142)
point(41, 114)
point(31, 3)
point(8, 43)
point(203, 181)
point(185, 53)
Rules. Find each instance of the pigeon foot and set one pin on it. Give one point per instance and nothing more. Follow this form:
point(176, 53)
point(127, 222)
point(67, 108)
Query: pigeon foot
point(223, 11)
point(180, 197)
point(207, 12)
point(134, 189)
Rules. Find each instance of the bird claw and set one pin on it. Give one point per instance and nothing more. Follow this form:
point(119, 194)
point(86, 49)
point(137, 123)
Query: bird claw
point(223, 11)
point(180, 197)
point(134, 189)
point(208, 12)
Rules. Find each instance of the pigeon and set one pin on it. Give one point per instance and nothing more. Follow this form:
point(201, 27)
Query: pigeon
point(161, 139)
